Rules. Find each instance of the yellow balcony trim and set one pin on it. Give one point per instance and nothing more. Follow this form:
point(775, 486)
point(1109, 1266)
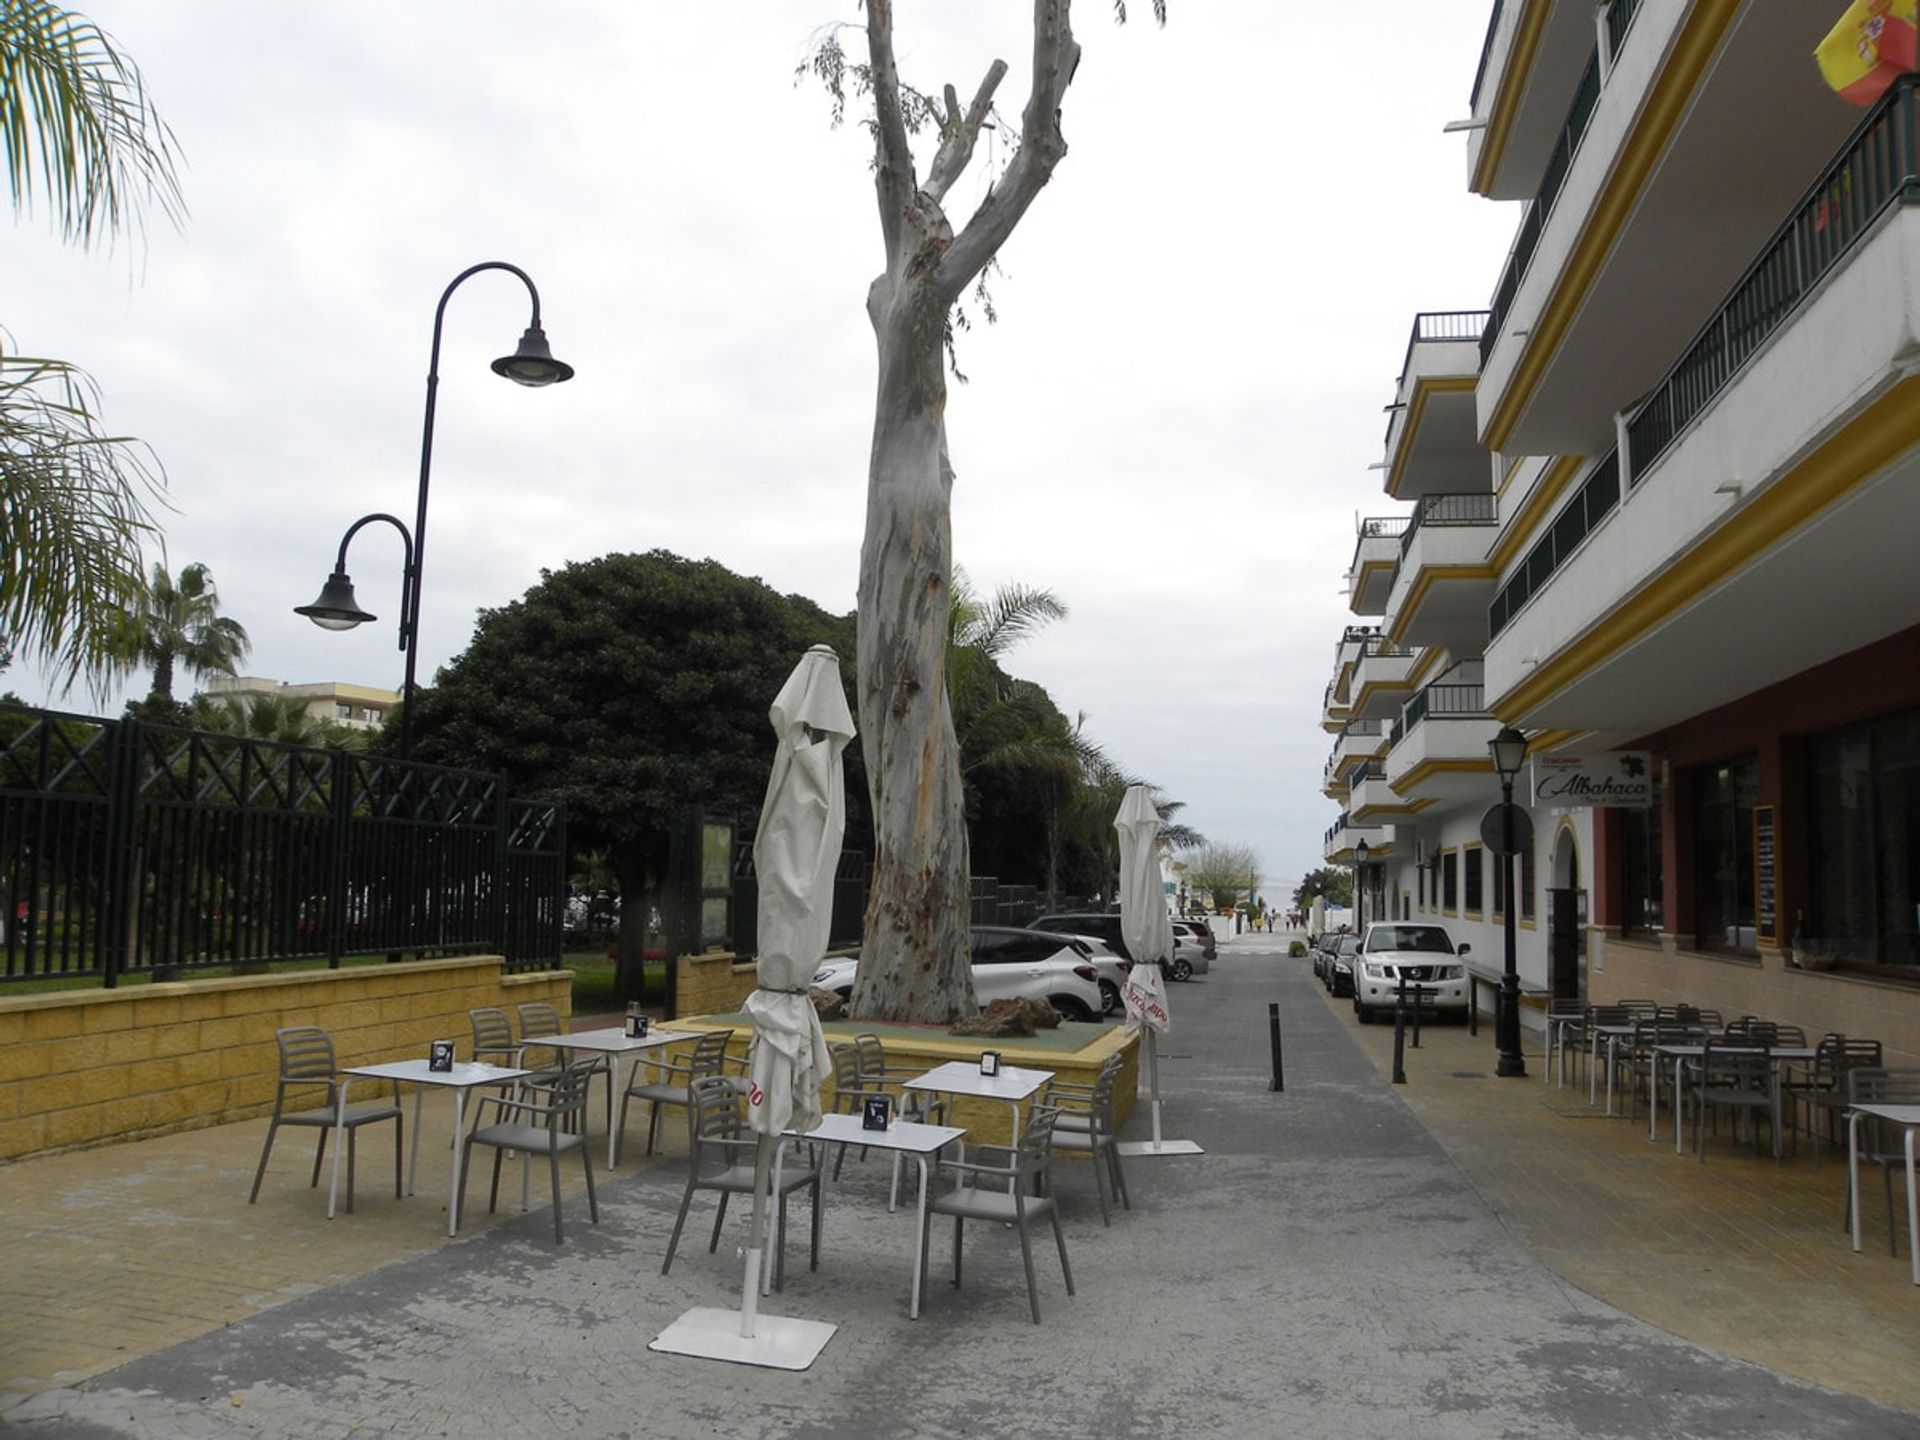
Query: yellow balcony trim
point(1430, 575)
point(1517, 534)
point(1427, 769)
point(1667, 102)
point(1506, 102)
point(1416, 409)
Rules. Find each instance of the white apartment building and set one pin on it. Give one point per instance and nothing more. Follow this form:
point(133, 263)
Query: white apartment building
point(1664, 497)
point(357, 707)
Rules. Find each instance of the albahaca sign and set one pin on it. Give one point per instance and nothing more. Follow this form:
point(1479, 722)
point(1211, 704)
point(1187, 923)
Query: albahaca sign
point(1613, 777)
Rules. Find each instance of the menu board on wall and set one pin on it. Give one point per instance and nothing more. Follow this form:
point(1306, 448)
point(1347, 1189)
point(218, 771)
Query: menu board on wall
point(1766, 877)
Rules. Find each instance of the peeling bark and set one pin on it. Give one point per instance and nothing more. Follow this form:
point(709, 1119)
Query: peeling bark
point(915, 958)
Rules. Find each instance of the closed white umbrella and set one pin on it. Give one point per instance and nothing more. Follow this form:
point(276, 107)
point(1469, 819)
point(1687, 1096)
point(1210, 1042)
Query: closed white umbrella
point(795, 852)
point(1148, 931)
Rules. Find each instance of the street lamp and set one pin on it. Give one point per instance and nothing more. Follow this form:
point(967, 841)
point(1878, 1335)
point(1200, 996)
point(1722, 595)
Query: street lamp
point(1360, 854)
point(1509, 750)
point(531, 364)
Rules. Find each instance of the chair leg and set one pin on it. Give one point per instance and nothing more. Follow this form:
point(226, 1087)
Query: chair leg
point(959, 1225)
point(1099, 1183)
point(493, 1194)
point(399, 1130)
point(272, 1129)
point(653, 1122)
point(620, 1130)
point(1026, 1256)
point(553, 1169)
point(719, 1219)
point(319, 1150)
point(673, 1241)
point(1119, 1173)
point(353, 1149)
point(1060, 1243)
point(586, 1163)
point(466, 1173)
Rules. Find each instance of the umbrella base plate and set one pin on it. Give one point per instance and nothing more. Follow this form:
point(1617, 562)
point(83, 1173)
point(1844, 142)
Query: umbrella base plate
point(777, 1343)
point(1131, 1148)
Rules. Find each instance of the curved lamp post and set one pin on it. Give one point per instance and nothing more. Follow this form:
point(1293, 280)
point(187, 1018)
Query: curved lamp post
point(531, 364)
point(1509, 751)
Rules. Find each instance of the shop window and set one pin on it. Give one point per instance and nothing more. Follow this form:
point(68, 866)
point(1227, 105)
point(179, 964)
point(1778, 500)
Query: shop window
point(1476, 868)
point(1723, 800)
point(1640, 859)
point(1864, 842)
point(1450, 881)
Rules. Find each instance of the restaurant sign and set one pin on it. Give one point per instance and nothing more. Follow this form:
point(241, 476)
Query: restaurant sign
point(1612, 777)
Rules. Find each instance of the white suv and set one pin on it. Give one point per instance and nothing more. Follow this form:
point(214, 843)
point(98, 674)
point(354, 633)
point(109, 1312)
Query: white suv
point(1010, 963)
point(1422, 955)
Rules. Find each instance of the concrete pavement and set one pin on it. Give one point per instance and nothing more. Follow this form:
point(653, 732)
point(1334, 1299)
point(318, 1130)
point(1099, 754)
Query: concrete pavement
point(1328, 1268)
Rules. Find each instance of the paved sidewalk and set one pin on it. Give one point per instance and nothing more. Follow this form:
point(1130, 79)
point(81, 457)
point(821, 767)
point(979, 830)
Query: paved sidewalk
point(1326, 1269)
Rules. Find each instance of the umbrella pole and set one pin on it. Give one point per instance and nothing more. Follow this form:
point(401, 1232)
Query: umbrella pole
point(750, 1297)
point(1153, 1079)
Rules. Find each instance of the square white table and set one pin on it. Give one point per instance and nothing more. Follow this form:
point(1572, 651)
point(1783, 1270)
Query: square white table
point(460, 1079)
point(1908, 1118)
point(1683, 1053)
point(903, 1137)
point(613, 1043)
point(962, 1077)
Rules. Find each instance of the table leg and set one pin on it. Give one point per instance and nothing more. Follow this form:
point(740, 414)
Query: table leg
point(1593, 1062)
point(339, 1141)
point(613, 1084)
point(1913, 1213)
point(1853, 1177)
point(413, 1156)
point(459, 1157)
point(1679, 1107)
point(1653, 1096)
point(920, 1226)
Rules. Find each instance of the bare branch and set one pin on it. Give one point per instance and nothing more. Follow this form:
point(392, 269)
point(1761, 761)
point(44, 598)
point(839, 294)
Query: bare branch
point(959, 133)
point(893, 158)
point(1042, 147)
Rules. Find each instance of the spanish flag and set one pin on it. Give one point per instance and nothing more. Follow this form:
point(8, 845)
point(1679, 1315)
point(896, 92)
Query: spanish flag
point(1871, 47)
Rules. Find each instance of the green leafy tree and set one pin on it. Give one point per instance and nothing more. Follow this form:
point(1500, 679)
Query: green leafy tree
point(1330, 881)
point(633, 688)
point(1225, 872)
point(279, 718)
point(84, 143)
point(179, 627)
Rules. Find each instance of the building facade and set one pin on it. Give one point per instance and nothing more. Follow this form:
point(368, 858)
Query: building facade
point(357, 707)
point(1664, 493)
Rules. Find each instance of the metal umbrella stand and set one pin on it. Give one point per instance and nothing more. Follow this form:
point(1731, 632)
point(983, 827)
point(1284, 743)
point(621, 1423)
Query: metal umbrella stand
point(795, 851)
point(1145, 926)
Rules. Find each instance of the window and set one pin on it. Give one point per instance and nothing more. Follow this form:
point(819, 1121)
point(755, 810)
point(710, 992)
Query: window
point(1640, 860)
point(1723, 800)
point(1864, 841)
point(1475, 867)
point(343, 711)
point(1449, 881)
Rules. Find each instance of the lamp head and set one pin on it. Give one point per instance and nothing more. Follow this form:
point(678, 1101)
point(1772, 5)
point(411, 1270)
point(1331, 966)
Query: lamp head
point(533, 363)
point(336, 609)
point(1361, 852)
point(1509, 751)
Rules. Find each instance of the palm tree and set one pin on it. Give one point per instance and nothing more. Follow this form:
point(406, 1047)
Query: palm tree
point(82, 140)
point(279, 718)
point(181, 626)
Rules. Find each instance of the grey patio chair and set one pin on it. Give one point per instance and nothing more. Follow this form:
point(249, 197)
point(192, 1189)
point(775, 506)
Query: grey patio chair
point(1085, 1126)
point(535, 1120)
point(851, 1091)
point(1735, 1076)
point(493, 1036)
point(720, 1157)
point(306, 1062)
point(672, 1084)
point(1881, 1144)
point(1021, 1192)
point(1822, 1086)
point(1648, 1070)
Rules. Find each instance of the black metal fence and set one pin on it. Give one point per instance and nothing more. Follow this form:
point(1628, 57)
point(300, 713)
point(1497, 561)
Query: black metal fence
point(850, 878)
point(128, 848)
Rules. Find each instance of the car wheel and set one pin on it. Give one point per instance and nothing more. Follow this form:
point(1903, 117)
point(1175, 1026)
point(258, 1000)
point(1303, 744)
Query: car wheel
point(1362, 1013)
point(1068, 1008)
point(1183, 969)
point(1109, 997)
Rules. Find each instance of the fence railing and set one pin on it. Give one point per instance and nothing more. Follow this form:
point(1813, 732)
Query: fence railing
point(1874, 170)
point(850, 879)
point(1441, 326)
point(1486, 54)
point(1478, 507)
point(128, 848)
point(1592, 503)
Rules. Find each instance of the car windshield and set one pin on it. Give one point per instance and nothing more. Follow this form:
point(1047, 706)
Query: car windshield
point(1410, 937)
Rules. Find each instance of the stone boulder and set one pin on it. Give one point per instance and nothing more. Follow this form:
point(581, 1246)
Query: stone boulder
point(1004, 1018)
point(826, 1004)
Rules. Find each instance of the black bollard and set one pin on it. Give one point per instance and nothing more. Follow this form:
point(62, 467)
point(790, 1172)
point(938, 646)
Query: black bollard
point(1473, 1005)
point(1419, 994)
point(1273, 1031)
point(1399, 1042)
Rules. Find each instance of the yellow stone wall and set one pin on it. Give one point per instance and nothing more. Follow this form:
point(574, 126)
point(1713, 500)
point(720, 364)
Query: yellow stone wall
point(82, 1066)
point(715, 983)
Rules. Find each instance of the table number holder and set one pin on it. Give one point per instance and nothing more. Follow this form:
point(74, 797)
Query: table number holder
point(636, 1021)
point(440, 1056)
point(989, 1062)
point(876, 1112)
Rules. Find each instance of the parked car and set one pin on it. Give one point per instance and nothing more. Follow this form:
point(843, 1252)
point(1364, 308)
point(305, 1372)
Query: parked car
point(1189, 957)
point(1011, 964)
point(1111, 970)
point(1201, 932)
point(1341, 957)
point(1421, 955)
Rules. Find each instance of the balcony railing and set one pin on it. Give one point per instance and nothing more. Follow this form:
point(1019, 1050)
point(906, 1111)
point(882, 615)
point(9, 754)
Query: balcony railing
point(1444, 699)
point(1586, 97)
point(1874, 170)
point(1486, 54)
point(1594, 501)
point(1478, 507)
point(1380, 646)
point(1383, 527)
point(1431, 326)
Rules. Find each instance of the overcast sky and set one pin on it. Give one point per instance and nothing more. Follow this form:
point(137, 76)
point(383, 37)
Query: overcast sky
point(1200, 321)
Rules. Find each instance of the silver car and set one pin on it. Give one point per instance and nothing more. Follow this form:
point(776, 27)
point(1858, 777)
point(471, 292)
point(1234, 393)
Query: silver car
point(1422, 955)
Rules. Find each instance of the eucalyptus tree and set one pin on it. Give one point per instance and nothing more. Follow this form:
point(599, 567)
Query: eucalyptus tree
point(914, 961)
point(83, 143)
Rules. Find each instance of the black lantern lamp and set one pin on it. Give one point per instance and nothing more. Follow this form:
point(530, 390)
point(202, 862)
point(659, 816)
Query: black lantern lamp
point(1509, 752)
point(336, 609)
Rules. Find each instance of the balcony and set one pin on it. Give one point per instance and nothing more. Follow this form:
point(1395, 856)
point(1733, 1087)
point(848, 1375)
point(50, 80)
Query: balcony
point(1530, 64)
point(1780, 452)
point(1433, 442)
point(1688, 134)
point(1382, 679)
point(1358, 742)
point(1438, 747)
point(1443, 583)
point(1345, 835)
point(1375, 554)
point(1371, 801)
